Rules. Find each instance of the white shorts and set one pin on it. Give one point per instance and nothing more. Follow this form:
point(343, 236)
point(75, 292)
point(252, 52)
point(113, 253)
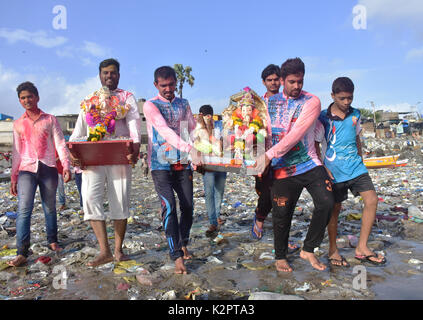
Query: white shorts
point(118, 181)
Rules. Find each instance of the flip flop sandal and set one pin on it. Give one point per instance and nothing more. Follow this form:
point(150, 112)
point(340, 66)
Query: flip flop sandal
point(260, 231)
point(342, 263)
point(367, 259)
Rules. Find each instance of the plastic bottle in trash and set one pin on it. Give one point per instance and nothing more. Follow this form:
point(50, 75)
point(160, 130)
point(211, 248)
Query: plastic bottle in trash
point(237, 204)
point(133, 294)
point(415, 212)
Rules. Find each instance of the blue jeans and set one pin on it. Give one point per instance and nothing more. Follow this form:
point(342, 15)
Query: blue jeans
point(46, 178)
point(61, 190)
point(214, 186)
point(78, 181)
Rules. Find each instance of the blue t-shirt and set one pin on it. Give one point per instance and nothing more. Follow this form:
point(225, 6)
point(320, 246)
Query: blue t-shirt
point(341, 156)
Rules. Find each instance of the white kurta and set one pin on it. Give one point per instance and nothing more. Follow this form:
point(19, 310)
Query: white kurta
point(117, 178)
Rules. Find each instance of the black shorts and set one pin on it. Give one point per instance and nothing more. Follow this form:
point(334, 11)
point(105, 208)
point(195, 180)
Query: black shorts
point(359, 184)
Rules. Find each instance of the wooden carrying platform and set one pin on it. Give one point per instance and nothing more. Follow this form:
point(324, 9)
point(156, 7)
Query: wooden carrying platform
point(228, 167)
point(101, 153)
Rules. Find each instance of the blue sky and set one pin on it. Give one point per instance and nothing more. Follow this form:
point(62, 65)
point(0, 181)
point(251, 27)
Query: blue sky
point(227, 44)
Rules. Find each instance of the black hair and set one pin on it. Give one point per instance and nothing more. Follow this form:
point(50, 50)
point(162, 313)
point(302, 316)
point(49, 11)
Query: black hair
point(269, 70)
point(164, 72)
point(292, 66)
point(108, 62)
point(206, 109)
point(342, 84)
point(27, 86)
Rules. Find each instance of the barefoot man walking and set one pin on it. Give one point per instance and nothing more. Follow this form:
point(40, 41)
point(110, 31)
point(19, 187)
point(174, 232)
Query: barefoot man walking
point(169, 122)
point(296, 165)
point(117, 177)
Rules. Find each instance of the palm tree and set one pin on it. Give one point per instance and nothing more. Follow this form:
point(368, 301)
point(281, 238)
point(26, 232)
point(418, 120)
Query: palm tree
point(183, 75)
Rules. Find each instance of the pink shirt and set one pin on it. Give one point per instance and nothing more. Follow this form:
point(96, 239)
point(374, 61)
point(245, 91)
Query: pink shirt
point(305, 123)
point(35, 141)
point(155, 119)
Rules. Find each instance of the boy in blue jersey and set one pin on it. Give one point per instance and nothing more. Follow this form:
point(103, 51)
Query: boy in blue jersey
point(344, 163)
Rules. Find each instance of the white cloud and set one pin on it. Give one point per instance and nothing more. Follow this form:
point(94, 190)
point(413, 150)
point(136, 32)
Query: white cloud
point(399, 107)
point(415, 54)
point(393, 10)
point(62, 97)
point(96, 50)
point(57, 95)
point(84, 53)
point(38, 38)
point(41, 38)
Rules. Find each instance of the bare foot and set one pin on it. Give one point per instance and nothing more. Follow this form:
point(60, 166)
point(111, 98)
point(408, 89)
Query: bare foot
point(180, 267)
point(282, 265)
point(101, 259)
point(55, 247)
point(187, 255)
point(120, 256)
point(18, 261)
point(310, 257)
point(258, 229)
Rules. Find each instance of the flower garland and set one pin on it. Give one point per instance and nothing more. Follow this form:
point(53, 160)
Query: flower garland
point(101, 112)
point(97, 126)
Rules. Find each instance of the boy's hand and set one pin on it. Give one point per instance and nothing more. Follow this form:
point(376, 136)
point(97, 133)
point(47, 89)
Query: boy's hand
point(261, 165)
point(134, 155)
point(74, 160)
point(14, 189)
point(329, 173)
point(66, 176)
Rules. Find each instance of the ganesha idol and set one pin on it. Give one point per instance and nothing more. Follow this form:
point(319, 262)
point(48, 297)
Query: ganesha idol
point(244, 125)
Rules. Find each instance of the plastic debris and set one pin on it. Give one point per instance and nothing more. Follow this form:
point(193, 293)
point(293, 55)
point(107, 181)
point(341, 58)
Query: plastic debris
point(415, 261)
point(229, 265)
point(306, 287)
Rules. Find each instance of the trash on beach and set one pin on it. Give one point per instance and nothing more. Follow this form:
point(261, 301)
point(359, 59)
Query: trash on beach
point(306, 287)
point(415, 261)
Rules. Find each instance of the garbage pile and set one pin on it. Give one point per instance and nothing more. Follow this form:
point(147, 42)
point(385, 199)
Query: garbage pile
point(230, 264)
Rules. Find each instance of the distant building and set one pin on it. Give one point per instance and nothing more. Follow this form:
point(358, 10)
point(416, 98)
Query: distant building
point(6, 135)
point(5, 117)
point(144, 134)
point(386, 116)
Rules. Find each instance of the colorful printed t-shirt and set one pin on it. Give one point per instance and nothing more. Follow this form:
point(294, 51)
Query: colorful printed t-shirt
point(341, 155)
point(293, 122)
point(169, 125)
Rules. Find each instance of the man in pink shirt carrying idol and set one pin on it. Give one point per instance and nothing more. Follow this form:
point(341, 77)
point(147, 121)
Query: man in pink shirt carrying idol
point(169, 124)
point(295, 165)
point(36, 137)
